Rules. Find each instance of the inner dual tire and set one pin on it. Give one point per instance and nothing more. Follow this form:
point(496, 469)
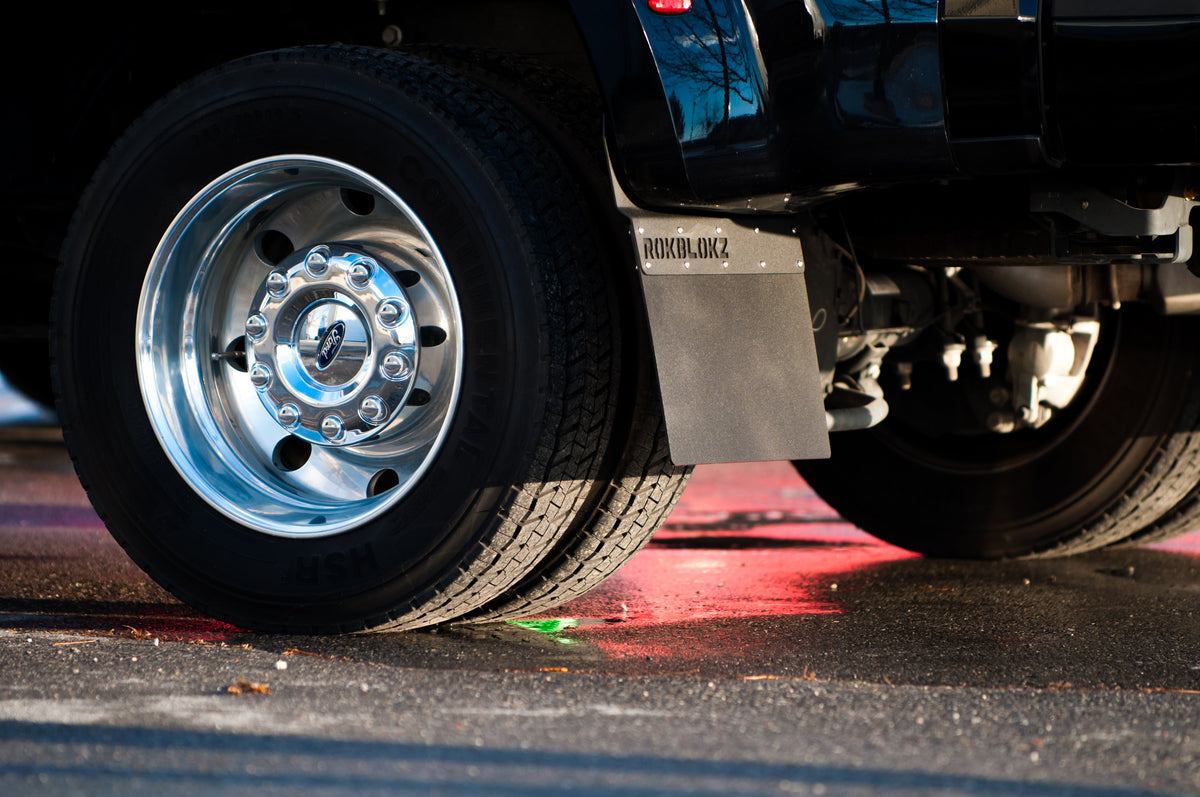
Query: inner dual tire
point(1122, 455)
point(333, 346)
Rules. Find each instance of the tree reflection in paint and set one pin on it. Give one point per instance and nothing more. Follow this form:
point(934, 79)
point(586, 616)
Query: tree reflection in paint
point(709, 77)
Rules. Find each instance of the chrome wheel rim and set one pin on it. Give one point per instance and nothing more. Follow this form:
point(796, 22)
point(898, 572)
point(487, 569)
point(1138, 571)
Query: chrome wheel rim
point(299, 346)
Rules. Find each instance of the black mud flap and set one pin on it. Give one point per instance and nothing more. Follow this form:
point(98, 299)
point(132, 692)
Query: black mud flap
point(732, 334)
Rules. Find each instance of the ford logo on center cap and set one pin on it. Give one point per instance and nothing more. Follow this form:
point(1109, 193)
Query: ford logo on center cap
point(330, 345)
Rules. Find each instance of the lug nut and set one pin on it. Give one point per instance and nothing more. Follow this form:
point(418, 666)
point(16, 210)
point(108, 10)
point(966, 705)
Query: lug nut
point(331, 427)
point(373, 409)
point(317, 261)
point(390, 313)
point(360, 273)
point(256, 326)
point(288, 416)
point(396, 366)
point(260, 376)
point(277, 284)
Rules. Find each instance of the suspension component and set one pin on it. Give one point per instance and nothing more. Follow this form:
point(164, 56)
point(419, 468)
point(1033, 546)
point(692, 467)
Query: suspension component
point(1047, 361)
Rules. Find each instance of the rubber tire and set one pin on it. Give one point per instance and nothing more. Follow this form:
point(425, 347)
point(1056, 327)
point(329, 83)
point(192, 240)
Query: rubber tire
point(1121, 457)
point(641, 485)
point(532, 418)
point(1183, 518)
point(621, 517)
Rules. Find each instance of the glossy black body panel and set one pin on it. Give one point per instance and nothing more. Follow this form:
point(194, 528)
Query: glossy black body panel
point(769, 105)
point(1124, 9)
point(992, 70)
point(855, 88)
point(1126, 91)
point(644, 144)
point(772, 103)
point(707, 62)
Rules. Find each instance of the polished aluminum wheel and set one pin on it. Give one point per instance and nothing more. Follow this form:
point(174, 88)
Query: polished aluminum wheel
point(299, 346)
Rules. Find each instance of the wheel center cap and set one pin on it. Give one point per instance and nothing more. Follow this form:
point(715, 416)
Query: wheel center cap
point(332, 345)
point(331, 339)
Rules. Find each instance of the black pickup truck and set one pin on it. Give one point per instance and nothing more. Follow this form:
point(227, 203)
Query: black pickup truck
point(384, 314)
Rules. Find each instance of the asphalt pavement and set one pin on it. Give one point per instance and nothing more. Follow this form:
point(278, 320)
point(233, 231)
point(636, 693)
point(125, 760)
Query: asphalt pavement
point(759, 645)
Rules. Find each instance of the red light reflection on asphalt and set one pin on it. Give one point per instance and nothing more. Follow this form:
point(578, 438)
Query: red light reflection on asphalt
point(1189, 544)
point(670, 585)
point(745, 541)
